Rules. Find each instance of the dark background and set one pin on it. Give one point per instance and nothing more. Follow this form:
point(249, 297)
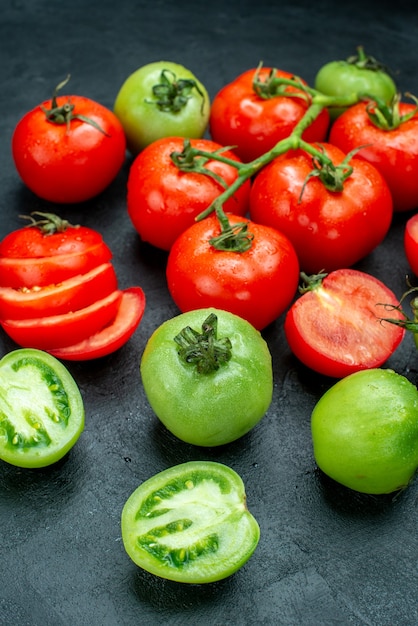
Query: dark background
point(326, 555)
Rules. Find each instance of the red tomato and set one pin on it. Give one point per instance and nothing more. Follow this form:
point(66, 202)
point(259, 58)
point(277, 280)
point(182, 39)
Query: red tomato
point(257, 284)
point(411, 243)
point(68, 160)
point(163, 200)
point(70, 295)
point(111, 337)
point(335, 328)
point(48, 252)
point(393, 152)
point(253, 124)
point(58, 331)
point(329, 230)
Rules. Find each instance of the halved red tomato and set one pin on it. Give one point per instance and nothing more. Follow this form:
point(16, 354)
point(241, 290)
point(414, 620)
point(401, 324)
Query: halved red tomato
point(111, 337)
point(57, 331)
point(336, 327)
point(73, 294)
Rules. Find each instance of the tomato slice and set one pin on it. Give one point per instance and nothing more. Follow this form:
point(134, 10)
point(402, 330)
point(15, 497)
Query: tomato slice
point(43, 271)
point(190, 523)
point(57, 331)
point(113, 336)
point(70, 295)
point(336, 328)
point(411, 243)
point(41, 409)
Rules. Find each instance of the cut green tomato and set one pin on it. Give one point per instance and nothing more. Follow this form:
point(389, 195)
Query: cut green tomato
point(69, 295)
point(41, 409)
point(50, 270)
point(190, 523)
point(57, 331)
point(113, 336)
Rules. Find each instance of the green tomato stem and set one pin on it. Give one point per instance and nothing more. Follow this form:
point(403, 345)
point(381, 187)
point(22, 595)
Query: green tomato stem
point(204, 350)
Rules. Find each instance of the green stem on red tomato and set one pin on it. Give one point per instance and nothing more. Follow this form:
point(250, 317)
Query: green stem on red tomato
point(49, 224)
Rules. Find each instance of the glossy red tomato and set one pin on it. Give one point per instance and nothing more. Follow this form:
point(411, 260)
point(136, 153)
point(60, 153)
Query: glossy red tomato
point(335, 327)
point(163, 200)
point(69, 295)
point(254, 123)
point(393, 152)
point(68, 150)
point(329, 229)
point(48, 252)
point(257, 285)
point(111, 337)
point(411, 243)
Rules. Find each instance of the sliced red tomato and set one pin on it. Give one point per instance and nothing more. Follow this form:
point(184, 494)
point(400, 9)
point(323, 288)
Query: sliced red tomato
point(113, 336)
point(21, 272)
point(69, 295)
point(336, 327)
point(57, 331)
point(411, 242)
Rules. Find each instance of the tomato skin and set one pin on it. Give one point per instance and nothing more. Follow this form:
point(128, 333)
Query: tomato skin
point(411, 243)
point(111, 337)
point(215, 408)
point(144, 122)
point(253, 125)
point(365, 431)
point(58, 331)
point(44, 419)
point(257, 284)
point(69, 295)
point(391, 151)
point(69, 165)
point(164, 201)
point(335, 328)
point(215, 532)
point(329, 230)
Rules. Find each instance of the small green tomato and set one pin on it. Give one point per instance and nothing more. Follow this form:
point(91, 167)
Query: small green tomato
point(365, 431)
point(208, 376)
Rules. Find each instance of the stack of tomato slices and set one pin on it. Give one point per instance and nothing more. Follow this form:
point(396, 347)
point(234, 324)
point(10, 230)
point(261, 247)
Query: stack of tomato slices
point(59, 291)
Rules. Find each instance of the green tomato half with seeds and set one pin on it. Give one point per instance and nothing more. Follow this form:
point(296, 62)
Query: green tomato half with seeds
point(365, 431)
point(190, 523)
point(208, 376)
point(41, 409)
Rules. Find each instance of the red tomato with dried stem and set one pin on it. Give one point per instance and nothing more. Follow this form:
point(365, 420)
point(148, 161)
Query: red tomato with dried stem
point(394, 152)
point(411, 243)
point(164, 200)
point(257, 284)
point(68, 149)
point(253, 115)
point(336, 328)
point(61, 292)
point(329, 229)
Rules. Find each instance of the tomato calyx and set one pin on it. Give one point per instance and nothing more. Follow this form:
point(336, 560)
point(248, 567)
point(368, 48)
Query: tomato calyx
point(386, 116)
point(312, 282)
point(204, 350)
point(172, 93)
point(49, 224)
point(64, 114)
point(233, 238)
point(366, 62)
point(406, 322)
point(331, 176)
point(273, 86)
point(194, 160)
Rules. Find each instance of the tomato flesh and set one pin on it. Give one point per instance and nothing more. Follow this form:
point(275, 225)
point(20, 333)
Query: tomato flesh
point(112, 336)
point(190, 523)
point(70, 295)
point(336, 328)
point(411, 243)
point(41, 409)
point(57, 331)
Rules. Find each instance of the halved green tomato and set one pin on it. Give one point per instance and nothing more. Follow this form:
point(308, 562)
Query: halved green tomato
point(41, 409)
point(190, 523)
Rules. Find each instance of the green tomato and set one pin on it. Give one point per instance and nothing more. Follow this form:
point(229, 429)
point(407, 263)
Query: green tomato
point(41, 409)
point(208, 376)
point(161, 99)
point(190, 523)
point(358, 75)
point(365, 431)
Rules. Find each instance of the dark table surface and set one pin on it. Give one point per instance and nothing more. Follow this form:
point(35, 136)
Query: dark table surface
point(326, 555)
